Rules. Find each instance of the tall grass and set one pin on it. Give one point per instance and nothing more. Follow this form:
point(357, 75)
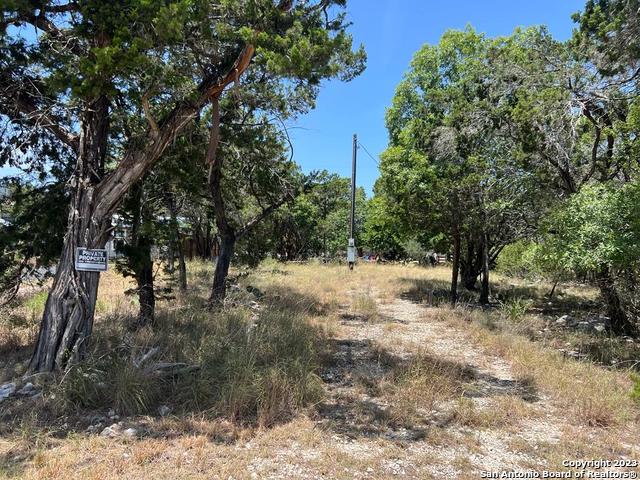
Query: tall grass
point(255, 370)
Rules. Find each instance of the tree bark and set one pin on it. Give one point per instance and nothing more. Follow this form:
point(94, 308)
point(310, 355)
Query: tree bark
point(141, 262)
point(219, 288)
point(146, 291)
point(182, 266)
point(175, 245)
point(171, 257)
point(621, 324)
point(453, 295)
point(485, 290)
point(471, 265)
point(228, 232)
point(67, 321)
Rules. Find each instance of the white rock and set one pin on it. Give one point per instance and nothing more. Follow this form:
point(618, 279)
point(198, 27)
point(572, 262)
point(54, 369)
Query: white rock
point(7, 390)
point(130, 432)
point(164, 410)
point(599, 328)
point(561, 321)
point(112, 431)
point(28, 389)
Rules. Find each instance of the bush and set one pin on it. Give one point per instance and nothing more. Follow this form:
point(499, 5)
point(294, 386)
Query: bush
point(515, 309)
point(520, 259)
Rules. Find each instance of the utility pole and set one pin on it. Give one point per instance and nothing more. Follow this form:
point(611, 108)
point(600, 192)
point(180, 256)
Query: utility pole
point(351, 249)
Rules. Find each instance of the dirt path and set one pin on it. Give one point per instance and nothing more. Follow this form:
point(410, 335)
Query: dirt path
point(358, 416)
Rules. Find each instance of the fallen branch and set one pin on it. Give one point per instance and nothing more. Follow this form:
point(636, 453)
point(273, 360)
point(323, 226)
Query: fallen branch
point(164, 369)
point(138, 363)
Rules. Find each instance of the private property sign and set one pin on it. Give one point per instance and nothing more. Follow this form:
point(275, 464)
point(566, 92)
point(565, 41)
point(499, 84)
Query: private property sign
point(91, 259)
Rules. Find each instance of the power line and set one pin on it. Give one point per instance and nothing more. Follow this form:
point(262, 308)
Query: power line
point(367, 152)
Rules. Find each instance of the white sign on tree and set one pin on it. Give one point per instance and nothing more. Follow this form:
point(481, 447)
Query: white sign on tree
point(91, 259)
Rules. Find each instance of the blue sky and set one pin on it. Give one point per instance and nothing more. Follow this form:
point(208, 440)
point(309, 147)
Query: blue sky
point(392, 31)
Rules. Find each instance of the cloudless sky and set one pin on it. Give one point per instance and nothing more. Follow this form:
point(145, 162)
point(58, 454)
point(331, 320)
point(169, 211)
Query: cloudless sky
point(392, 31)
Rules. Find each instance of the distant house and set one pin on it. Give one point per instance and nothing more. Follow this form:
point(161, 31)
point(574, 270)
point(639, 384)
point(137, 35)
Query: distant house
point(120, 235)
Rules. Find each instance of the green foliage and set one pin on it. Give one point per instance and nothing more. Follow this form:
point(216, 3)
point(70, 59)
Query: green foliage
point(35, 304)
point(415, 250)
point(382, 230)
point(521, 259)
point(598, 227)
point(516, 308)
point(148, 59)
point(317, 222)
point(452, 168)
point(30, 233)
point(635, 390)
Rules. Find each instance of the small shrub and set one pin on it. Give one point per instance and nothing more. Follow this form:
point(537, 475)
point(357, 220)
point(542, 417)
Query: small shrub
point(83, 386)
point(260, 370)
point(516, 308)
point(132, 390)
point(35, 304)
point(520, 259)
point(112, 381)
point(635, 389)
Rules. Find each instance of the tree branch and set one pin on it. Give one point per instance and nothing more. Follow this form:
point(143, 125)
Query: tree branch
point(24, 103)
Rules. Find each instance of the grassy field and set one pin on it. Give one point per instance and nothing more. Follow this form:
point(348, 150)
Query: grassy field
point(312, 371)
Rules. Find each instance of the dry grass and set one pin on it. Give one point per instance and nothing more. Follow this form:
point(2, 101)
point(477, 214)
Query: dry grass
point(245, 414)
point(417, 389)
point(503, 412)
point(365, 307)
point(592, 395)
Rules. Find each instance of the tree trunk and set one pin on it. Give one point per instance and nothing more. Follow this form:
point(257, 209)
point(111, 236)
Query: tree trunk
point(171, 257)
point(484, 291)
point(471, 265)
point(146, 292)
point(67, 320)
point(228, 232)
point(219, 288)
point(620, 322)
point(182, 266)
point(139, 258)
point(176, 241)
point(453, 295)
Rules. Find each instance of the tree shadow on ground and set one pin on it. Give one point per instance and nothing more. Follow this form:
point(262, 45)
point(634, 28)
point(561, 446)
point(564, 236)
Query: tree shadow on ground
point(295, 301)
point(359, 372)
point(433, 292)
point(437, 292)
point(561, 302)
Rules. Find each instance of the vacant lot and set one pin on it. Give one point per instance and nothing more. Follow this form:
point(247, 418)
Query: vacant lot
point(312, 371)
